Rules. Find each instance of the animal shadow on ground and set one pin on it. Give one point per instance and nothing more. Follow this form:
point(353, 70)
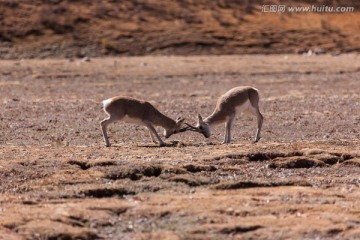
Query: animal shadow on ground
point(176, 144)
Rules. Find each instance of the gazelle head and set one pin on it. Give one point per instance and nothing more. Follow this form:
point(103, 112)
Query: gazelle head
point(201, 127)
point(175, 129)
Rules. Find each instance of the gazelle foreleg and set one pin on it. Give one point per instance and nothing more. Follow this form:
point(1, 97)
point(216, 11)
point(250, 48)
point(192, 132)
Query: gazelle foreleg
point(153, 131)
point(228, 125)
point(152, 137)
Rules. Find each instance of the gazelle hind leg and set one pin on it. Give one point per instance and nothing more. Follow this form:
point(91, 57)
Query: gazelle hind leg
point(104, 123)
point(254, 108)
point(260, 118)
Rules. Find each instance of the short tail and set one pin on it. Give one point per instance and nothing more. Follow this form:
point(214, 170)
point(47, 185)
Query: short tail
point(254, 97)
point(106, 103)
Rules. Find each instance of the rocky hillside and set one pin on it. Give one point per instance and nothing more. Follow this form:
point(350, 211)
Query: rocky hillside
point(77, 28)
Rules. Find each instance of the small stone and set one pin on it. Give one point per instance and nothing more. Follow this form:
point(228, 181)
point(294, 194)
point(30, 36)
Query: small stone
point(318, 51)
point(86, 59)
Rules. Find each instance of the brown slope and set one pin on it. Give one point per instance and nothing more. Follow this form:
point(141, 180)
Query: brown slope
point(70, 28)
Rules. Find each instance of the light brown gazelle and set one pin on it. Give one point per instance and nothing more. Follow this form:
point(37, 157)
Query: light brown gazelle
point(228, 105)
point(139, 112)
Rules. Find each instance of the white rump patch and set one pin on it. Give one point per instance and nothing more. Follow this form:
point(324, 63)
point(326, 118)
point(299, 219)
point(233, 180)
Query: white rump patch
point(107, 102)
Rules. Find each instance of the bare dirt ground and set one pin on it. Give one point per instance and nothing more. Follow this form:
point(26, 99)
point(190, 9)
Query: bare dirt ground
point(59, 181)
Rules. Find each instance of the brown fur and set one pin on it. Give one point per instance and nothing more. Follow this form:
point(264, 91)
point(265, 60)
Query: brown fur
point(228, 102)
point(134, 108)
point(226, 110)
point(140, 112)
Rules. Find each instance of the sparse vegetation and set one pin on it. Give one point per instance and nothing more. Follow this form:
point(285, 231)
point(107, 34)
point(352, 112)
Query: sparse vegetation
point(58, 181)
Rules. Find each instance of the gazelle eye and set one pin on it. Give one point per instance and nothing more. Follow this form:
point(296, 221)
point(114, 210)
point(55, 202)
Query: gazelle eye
point(201, 127)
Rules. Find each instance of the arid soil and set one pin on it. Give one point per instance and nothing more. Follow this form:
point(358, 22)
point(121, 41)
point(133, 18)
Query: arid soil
point(301, 181)
point(69, 28)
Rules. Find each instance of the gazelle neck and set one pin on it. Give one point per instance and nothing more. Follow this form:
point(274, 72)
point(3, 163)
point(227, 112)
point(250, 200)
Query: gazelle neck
point(163, 121)
point(215, 118)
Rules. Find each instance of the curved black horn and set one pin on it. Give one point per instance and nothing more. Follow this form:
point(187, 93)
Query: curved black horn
point(190, 127)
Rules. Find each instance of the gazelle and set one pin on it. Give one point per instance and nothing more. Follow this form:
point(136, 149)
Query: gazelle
point(140, 112)
point(228, 105)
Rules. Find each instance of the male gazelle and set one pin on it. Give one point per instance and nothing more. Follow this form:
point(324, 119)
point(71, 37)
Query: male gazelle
point(140, 112)
point(228, 105)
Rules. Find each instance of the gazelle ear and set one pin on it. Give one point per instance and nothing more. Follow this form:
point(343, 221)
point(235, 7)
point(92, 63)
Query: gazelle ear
point(200, 118)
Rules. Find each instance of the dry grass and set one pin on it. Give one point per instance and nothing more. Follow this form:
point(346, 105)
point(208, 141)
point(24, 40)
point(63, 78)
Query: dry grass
point(300, 180)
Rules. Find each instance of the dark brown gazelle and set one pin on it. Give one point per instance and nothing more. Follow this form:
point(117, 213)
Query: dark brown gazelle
point(140, 112)
point(228, 105)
